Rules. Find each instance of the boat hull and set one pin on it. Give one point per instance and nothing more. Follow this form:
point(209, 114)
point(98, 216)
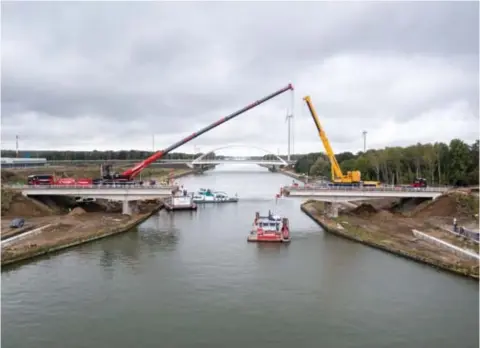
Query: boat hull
point(267, 238)
point(179, 203)
point(177, 208)
point(230, 200)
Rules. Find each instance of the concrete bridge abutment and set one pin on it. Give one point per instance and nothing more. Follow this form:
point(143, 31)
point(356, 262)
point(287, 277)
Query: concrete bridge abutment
point(331, 209)
point(126, 207)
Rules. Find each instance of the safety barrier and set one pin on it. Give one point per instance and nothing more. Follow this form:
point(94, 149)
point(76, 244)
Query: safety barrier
point(365, 189)
point(99, 187)
point(474, 236)
point(456, 250)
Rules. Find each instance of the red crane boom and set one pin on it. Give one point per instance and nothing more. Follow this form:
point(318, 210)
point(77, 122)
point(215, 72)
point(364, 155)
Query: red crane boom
point(129, 174)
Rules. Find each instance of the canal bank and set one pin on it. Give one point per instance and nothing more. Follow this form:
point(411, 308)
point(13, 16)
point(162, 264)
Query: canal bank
point(398, 242)
point(190, 279)
point(66, 234)
point(73, 229)
point(291, 173)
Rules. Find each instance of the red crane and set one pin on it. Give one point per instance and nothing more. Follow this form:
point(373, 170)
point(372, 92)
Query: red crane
point(131, 173)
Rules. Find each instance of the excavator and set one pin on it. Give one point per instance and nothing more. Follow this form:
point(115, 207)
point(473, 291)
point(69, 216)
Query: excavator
point(128, 176)
point(352, 178)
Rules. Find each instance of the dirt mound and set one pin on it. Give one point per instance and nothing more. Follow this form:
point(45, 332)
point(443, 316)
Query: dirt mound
point(77, 211)
point(15, 204)
point(7, 175)
point(408, 205)
point(364, 209)
point(451, 204)
point(384, 215)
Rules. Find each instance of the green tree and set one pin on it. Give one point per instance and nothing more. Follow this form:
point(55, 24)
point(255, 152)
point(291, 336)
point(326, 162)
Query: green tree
point(460, 161)
point(456, 163)
point(321, 167)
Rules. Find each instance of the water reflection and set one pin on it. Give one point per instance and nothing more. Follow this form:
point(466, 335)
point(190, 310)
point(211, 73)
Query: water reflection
point(164, 239)
point(267, 249)
point(136, 247)
point(270, 250)
point(124, 250)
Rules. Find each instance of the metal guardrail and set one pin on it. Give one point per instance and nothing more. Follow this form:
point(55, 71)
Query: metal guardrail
point(95, 187)
point(366, 189)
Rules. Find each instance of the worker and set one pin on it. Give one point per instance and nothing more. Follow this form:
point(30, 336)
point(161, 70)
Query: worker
point(454, 224)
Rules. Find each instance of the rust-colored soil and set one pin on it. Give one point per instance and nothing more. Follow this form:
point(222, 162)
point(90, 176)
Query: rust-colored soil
point(455, 204)
point(14, 204)
point(364, 210)
point(77, 211)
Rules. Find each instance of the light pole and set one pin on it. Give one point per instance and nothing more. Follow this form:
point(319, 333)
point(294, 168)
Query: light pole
point(364, 141)
point(16, 144)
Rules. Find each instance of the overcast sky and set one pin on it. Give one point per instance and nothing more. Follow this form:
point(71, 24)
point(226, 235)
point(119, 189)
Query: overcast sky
point(101, 75)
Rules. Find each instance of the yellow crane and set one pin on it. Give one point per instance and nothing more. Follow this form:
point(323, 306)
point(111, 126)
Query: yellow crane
point(352, 178)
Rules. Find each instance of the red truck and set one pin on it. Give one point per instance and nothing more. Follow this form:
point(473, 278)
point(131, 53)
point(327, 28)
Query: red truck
point(420, 182)
point(49, 179)
point(41, 179)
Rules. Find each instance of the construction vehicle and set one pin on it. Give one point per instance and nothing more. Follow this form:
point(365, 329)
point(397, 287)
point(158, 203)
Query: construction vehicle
point(419, 182)
point(352, 178)
point(128, 176)
point(108, 177)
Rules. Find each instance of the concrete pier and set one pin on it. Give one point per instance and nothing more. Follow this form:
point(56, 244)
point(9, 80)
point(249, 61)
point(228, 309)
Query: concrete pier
point(126, 209)
point(331, 209)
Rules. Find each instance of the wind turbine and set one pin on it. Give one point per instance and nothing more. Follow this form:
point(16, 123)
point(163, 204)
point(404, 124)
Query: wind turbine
point(288, 118)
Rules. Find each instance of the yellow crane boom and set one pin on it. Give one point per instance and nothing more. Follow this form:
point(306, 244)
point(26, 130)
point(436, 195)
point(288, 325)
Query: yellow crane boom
point(353, 177)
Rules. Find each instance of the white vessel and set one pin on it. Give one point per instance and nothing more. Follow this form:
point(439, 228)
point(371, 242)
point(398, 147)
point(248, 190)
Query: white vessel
point(210, 196)
point(180, 201)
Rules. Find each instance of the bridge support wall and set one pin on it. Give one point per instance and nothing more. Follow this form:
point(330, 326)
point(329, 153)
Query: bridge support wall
point(126, 208)
point(331, 209)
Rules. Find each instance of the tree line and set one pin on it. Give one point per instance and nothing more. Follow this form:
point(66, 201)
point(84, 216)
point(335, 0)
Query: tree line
point(455, 163)
point(95, 155)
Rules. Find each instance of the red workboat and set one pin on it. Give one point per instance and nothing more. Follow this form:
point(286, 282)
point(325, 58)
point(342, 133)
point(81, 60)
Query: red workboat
point(271, 228)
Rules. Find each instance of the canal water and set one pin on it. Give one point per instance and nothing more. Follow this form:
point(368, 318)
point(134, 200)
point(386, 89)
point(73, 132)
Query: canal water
point(190, 279)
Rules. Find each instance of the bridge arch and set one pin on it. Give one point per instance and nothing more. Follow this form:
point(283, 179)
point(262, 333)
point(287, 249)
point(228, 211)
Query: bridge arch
point(267, 152)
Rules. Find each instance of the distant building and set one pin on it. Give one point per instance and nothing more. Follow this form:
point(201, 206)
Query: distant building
point(7, 162)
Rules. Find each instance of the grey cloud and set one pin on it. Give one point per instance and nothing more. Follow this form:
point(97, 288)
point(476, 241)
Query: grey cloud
point(173, 66)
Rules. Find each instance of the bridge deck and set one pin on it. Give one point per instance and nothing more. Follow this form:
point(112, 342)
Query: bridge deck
point(129, 193)
point(361, 193)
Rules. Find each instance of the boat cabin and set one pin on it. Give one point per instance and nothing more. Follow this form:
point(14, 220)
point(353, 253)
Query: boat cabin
point(269, 225)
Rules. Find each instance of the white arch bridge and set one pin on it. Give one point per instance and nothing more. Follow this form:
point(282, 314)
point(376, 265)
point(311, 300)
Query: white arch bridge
point(205, 160)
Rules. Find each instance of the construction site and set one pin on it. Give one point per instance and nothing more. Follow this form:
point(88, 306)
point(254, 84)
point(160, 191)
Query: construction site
point(389, 225)
point(53, 223)
point(59, 222)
